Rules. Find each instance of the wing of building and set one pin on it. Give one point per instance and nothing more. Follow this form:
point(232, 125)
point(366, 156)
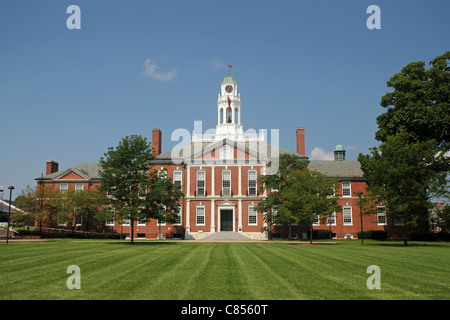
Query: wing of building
point(218, 173)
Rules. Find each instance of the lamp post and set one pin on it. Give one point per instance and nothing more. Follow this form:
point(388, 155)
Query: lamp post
point(361, 214)
point(11, 188)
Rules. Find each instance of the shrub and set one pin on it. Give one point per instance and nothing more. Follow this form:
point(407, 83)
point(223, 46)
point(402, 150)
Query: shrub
point(374, 234)
point(69, 235)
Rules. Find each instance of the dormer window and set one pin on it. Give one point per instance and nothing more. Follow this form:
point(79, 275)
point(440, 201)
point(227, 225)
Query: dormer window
point(226, 153)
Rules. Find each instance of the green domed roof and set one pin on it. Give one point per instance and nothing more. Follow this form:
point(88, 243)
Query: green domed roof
point(228, 79)
point(339, 147)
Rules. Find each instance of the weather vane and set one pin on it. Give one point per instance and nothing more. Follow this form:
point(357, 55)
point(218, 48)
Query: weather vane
point(229, 68)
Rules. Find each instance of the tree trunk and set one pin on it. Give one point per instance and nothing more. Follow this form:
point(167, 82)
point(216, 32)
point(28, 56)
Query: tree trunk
point(132, 230)
point(405, 238)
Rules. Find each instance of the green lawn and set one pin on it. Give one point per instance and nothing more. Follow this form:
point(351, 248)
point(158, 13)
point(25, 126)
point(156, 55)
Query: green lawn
point(215, 271)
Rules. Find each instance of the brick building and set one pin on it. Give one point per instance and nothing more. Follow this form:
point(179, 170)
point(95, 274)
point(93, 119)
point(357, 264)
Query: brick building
point(218, 174)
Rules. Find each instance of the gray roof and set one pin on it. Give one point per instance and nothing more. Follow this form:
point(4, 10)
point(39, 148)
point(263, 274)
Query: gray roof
point(259, 149)
point(338, 169)
point(89, 171)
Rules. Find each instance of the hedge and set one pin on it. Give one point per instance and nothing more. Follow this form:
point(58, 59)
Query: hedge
point(373, 234)
point(74, 235)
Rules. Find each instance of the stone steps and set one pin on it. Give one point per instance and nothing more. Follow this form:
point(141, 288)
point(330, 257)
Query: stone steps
point(226, 236)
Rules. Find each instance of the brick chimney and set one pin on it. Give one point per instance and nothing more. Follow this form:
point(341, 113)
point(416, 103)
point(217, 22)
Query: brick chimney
point(51, 167)
point(301, 141)
point(156, 141)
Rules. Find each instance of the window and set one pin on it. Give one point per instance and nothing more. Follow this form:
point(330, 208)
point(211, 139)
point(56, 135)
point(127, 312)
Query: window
point(125, 222)
point(200, 215)
point(347, 215)
point(346, 189)
point(141, 222)
point(200, 182)
point(332, 219)
point(316, 221)
point(252, 183)
point(252, 215)
point(109, 216)
point(77, 220)
point(162, 173)
point(79, 187)
point(177, 219)
point(177, 177)
point(226, 183)
point(63, 187)
point(381, 215)
point(398, 219)
point(226, 153)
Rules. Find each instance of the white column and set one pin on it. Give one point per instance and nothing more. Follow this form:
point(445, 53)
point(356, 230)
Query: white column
point(233, 115)
point(188, 179)
point(213, 220)
point(213, 193)
point(218, 115)
point(239, 115)
point(224, 115)
point(240, 181)
point(240, 215)
point(188, 216)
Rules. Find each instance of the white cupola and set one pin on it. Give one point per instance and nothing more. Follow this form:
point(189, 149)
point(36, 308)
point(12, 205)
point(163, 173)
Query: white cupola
point(229, 108)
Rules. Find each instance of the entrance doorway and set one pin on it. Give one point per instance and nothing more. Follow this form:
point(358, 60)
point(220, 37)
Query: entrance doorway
point(226, 220)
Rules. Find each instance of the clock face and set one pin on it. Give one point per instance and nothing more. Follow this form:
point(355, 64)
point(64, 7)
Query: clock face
point(228, 88)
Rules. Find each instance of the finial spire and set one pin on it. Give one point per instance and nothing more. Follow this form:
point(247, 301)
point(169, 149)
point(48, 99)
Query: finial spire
point(229, 68)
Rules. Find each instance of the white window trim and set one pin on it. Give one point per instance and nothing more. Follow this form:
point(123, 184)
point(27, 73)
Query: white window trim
point(112, 211)
point(343, 216)
point(316, 221)
point(255, 214)
point(349, 187)
point(77, 186)
point(63, 189)
point(180, 178)
point(179, 223)
point(256, 181)
point(381, 214)
point(223, 180)
point(197, 215)
point(333, 216)
point(197, 181)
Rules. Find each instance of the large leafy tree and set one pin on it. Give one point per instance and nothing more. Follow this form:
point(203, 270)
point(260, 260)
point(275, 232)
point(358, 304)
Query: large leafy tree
point(273, 184)
point(135, 191)
point(401, 175)
point(419, 103)
point(33, 200)
point(76, 207)
point(308, 195)
point(411, 164)
point(296, 194)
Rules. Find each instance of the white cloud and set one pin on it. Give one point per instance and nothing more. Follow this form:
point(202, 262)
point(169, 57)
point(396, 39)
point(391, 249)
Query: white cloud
point(151, 70)
point(320, 154)
point(216, 64)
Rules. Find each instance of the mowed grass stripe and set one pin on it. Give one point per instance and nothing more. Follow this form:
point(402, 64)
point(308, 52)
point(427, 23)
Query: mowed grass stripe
point(195, 271)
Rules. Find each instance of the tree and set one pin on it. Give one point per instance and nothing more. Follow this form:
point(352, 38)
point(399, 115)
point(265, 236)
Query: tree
point(74, 208)
point(307, 195)
point(34, 201)
point(164, 197)
point(419, 104)
point(136, 191)
point(296, 194)
point(124, 178)
point(401, 174)
point(274, 184)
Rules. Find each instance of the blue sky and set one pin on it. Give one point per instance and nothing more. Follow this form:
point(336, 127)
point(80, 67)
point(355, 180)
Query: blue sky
point(68, 95)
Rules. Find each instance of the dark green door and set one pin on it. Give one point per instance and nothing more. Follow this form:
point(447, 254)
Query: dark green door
point(226, 220)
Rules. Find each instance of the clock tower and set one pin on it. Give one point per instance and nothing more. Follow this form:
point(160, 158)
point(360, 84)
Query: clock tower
point(229, 109)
